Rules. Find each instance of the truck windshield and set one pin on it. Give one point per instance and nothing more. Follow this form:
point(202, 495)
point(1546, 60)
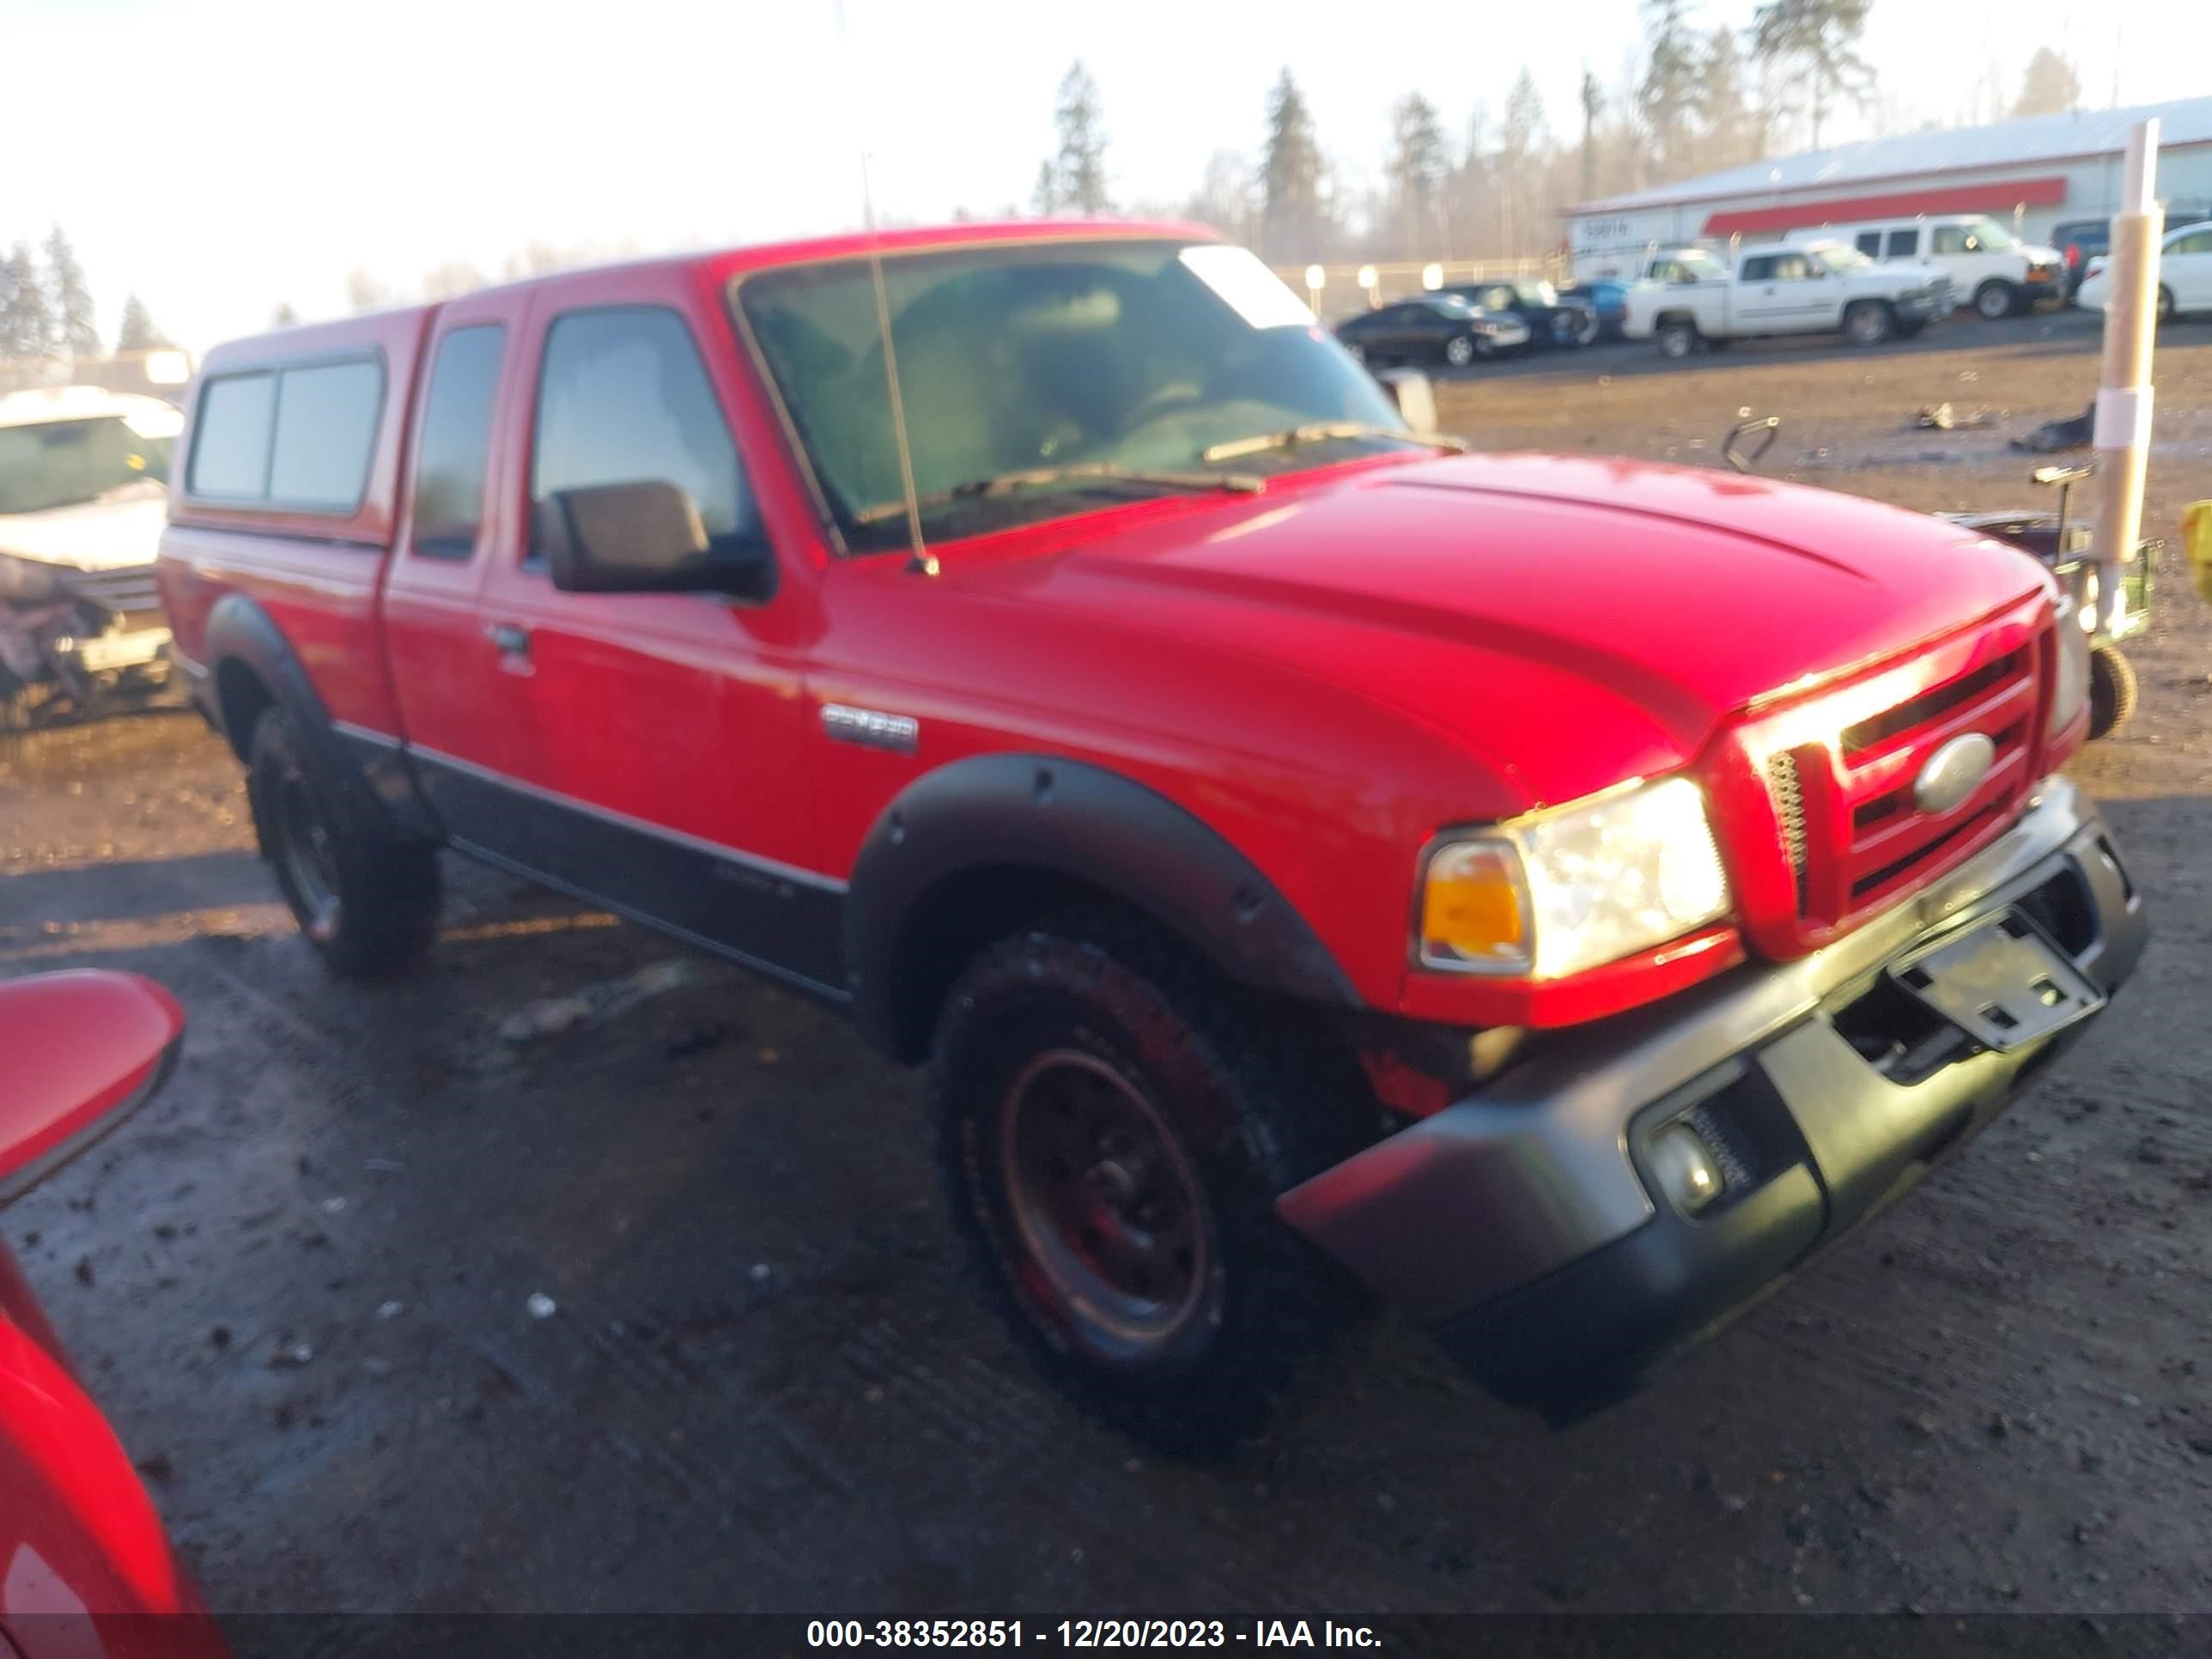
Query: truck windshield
point(1094, 360)
point(62, 462)
point(1988, 236)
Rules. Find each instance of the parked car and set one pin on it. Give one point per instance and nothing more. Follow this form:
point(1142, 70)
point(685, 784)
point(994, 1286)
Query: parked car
point(2185, 274)
point(82, 477)
point(1285, 838)
point(2080, 240)
point(1607, 296)
point(1436, 327)
point(1823, 288)
point(86, 1570)
point(1550, 319)
point(1984, 260)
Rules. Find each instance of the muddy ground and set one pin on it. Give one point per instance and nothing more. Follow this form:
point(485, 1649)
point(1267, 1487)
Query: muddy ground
point(301, 1281)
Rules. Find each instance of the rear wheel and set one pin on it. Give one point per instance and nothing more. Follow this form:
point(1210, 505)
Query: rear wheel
point(1995, 299)
point(1677, 338)
point(1115, 1127)
point(1359, 351)
point(1868, 322)
point(367, 903)
point(2164, 303)
point(2112, 690)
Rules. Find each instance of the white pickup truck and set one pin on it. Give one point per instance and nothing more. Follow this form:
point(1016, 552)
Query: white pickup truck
point(1818, 287)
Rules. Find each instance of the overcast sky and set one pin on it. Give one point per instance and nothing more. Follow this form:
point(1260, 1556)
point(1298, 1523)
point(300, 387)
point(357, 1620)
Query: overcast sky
point(220, 156)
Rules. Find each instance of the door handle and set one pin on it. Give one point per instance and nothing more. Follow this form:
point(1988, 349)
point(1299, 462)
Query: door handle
point(512, 639)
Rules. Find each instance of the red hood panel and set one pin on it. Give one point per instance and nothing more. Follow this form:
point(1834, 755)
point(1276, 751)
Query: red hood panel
point(1579, 620)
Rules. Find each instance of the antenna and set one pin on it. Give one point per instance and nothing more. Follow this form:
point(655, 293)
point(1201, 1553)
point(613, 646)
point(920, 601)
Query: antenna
point(923, 562)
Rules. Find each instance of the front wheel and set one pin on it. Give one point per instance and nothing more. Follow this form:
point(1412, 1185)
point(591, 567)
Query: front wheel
point(1868, 322)
point(1993, 299)
point(2112, 690)
point(368, 903)
point(1115, 1129)
point(2164, 304)
point(1459, 351)
point(1677, 339)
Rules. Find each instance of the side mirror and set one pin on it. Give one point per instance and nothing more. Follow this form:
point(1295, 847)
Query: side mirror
point(84, 1050)
point(1416, 399)
point(643, 536)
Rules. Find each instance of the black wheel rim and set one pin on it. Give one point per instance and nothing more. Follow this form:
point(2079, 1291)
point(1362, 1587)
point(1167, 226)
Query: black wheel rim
point(310, 858)
point(1107, 1203)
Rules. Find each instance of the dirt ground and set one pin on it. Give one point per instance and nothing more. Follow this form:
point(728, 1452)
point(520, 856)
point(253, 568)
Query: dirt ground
point(302, 1281)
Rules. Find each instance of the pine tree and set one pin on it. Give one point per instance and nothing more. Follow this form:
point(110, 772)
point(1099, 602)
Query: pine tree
point(77, 333)
point(1292, 219)
point(1081, 172)
point(27, 321)
point(1044, 199)
point(1814, 43)
point(1669, 97)
point(2050, 87)
point(1417, 167)
point(138, 331)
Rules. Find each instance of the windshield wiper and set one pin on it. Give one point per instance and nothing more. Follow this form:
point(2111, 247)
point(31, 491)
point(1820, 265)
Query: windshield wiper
point(1004, 483)
point(1320, 431)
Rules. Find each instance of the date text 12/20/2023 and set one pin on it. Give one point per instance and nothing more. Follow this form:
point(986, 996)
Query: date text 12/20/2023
point(1087, 1633)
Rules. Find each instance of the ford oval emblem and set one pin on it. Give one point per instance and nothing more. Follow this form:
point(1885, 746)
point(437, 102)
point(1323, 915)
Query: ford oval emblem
point(1952, 772)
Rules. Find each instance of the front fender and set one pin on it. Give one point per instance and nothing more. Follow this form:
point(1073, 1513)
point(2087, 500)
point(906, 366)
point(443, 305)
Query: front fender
point(1038, 812)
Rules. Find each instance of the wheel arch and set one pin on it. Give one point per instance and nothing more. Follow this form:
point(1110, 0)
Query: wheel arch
point(254, 668)
point(976, 849)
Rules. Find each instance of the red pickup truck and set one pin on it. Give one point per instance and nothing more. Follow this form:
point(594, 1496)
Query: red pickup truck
point(1565, 893)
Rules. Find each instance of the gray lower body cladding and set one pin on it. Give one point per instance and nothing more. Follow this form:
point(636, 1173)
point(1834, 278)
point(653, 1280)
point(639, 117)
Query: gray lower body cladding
point(1526, 1226)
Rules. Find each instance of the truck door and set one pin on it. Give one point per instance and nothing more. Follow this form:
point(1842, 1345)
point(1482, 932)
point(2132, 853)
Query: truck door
point(1792, 294)
point(459, 503)
point(664, 764)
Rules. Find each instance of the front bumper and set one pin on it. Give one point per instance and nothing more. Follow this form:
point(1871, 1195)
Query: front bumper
point(1524, 1224)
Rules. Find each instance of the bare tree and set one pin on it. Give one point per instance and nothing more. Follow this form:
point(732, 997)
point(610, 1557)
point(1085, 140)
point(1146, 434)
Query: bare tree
point(1044, 197)
point(1670, 97)
point(285, 316)
point(453, 279)
point(365, 293)
point(1814, 43)
point(1593, 102)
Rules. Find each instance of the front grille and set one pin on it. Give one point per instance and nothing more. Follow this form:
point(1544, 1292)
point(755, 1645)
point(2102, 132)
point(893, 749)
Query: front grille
point(1851, 829)
point(128, 589)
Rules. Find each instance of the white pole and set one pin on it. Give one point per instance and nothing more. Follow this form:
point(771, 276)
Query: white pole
point(2123, 398)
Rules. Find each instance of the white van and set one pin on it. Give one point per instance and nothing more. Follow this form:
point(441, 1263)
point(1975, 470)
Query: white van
point(1986, 263)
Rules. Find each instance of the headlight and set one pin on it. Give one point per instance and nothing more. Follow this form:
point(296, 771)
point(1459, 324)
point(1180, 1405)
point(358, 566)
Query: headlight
point(1570, 889)
point(2071, 689)
point(26, 580)
point(2090, 588)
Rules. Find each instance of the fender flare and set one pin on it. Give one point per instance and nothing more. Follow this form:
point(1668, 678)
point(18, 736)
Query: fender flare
point(1084, 822)
point(240, 631)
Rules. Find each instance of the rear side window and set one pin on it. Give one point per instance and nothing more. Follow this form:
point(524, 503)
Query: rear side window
point(230, 444)
point(2200, 243)
point(325, 434)
point(1870, 244)
point(299, 439)
point(456, 442)
point(623, 397)
point(1904, 244)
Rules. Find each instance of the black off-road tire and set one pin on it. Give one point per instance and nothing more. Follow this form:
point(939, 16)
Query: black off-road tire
point(2112, 691)
point(1254, 1108)
point(368, 903)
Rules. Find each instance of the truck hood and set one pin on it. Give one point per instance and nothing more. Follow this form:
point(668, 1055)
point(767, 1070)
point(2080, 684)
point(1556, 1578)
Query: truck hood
point(110, 535)
point(1620, 608)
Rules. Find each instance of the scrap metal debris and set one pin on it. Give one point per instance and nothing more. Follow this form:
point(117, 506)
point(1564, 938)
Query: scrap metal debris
point(2052, 436)
point(1942, 417)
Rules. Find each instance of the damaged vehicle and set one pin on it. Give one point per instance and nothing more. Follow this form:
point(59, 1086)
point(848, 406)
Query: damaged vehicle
point(84, 477)
point(1303, 853)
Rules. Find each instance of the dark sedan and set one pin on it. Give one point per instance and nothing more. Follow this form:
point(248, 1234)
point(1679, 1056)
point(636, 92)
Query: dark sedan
point(1436, 326)
point(1551, 320)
